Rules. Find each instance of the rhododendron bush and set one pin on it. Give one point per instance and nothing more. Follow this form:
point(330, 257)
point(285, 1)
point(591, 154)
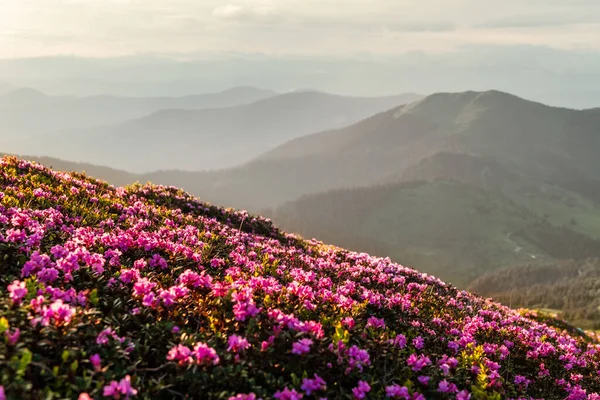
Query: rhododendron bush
point(145, 292)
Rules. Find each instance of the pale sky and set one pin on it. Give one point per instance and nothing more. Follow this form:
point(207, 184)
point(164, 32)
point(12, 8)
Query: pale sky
point(311, 27)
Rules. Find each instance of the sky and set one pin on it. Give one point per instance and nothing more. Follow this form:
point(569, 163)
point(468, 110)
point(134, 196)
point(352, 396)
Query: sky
point(103, 28)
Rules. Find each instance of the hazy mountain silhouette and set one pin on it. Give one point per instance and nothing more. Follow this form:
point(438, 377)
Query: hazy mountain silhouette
point(549, 144)
point(28, 112)
point(210, 138)
point(5, 87)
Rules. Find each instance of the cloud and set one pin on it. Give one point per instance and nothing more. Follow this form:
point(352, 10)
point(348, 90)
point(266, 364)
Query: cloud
point(246, 14)
point(538, 21)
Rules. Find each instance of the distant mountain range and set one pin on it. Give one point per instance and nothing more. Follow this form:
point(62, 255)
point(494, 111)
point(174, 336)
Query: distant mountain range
point(208, 138)
point(27, 112)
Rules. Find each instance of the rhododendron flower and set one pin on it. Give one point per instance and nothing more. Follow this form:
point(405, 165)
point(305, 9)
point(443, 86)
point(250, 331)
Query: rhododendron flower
point(96, 362)
point(237, 344)
point(123, 387)
point(84, 396)
point(397, 391)
point(376, 323)
point(312, 385)
point(2, 394)
point(17, 291)
point(418, 363)
point(360, 391)
point(423, 380)
point(463, 395)
point(241, 396)
point(287, 394)
point(399, 340)
point(446, 387)
point(302, 346)
point(205, 354)
point(13, 338)
point(418, 342)
point(180, 353)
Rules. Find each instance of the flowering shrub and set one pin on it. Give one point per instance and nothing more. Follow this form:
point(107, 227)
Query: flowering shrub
point(145, 292)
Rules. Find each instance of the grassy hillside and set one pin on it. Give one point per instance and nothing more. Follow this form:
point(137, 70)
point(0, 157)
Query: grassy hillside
point(570, 288)
point(452, 229)
point(147, 293)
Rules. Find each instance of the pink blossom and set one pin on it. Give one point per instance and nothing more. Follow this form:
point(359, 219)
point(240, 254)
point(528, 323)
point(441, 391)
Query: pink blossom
point(96, 362)
point(360, 391)
point(312, 385)
point(17, 291)
point(302, 346)
point(287, 394)
point(237, 344)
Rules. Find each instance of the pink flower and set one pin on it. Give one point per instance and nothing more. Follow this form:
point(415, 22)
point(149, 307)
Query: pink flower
point(112, 390)
point(84, 396)
point(399, 340)
point(397, 391)
point(96, 362)
point(463, 395)
point(312, 385)
point(17, 291)
point(302, 346)
point(446, 387)
point(242, 396)
point(418, 342)
point(376, 323)
point(205, 354)
point(126, 388)
point(237, 344)
point(287, 394)
point(2, 394)
point(418, 363)
point(423, 380)
point(180, 353)
point(13, 338)
point(360, 391)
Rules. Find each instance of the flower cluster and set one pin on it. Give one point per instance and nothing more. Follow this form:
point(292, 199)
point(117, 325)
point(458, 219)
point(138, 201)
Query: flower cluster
point(146, 292)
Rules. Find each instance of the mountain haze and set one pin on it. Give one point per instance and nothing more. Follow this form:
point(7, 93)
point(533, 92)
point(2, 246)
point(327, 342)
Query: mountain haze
point(209, 138)
point(546, 143)
point(29, 112)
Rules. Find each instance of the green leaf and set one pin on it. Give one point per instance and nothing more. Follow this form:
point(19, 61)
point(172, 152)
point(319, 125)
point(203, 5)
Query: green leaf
point(24, 362)
point(65, 356)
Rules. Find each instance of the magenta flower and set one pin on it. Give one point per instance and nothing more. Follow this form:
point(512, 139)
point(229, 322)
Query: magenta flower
point(13, 338)
point(243, 396)
point(446, 387)
point(287, 394)
point(463, 395)
point(375, 323)
point(397, 392)
point(399, 341)
point(205, 354)
point(313, 385)
point(302, 346)
point(17, 291)
point(237, 344)
point(96, 362)
point(418, 342)
point(360, 391)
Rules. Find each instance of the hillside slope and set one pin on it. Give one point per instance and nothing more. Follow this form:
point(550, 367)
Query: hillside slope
point(455, 230)
point(148, 293)
point(210, 138)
